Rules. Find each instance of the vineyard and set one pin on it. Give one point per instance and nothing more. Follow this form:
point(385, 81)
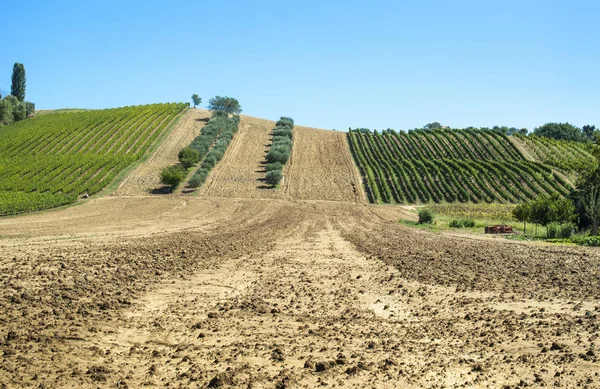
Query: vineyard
point(425, 166)
point(569, 156)
point(50, 160)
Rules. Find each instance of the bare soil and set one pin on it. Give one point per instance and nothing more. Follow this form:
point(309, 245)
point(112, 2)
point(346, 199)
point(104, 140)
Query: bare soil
point(232, 289)
point(146, 177)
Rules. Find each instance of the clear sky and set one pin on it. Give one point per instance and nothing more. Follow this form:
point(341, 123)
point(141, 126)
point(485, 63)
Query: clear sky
point(327, 64)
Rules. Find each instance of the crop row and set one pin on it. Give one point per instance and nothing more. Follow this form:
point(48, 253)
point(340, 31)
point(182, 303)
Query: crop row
point(212, 143)
point(391, 177)
point(279, 150)
point(568, 156)
point(54, 158)
point(450, 144)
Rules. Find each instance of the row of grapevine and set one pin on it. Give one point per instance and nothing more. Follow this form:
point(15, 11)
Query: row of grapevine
point(568, 156)
point(49, 160)
point(448, 166)
point(452, 144)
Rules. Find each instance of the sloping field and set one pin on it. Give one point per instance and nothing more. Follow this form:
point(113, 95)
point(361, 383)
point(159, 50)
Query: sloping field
point(213, 291)
point(271, 293)
point(449, 166)
point(146, 177)
point(320, 167)
point(567, 156)
point(50, 160)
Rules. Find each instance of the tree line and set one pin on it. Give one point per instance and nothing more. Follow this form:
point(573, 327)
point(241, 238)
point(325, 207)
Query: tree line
point(13, 107)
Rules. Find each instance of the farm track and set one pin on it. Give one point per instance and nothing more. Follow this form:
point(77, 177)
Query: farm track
point(228, 289)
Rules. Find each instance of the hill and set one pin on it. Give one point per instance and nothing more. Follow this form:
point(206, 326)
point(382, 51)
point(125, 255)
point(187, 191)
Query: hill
point(424, 166)
point(50, 160)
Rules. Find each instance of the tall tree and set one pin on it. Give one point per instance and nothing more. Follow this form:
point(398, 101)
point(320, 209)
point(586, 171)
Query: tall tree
point(196, 100)
point(561, 131)
point(588, 132)
point(17, 88)
point(432, 126)
point(225, 104)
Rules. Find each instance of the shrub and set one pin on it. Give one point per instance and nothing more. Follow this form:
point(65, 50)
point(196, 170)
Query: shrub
point(274, 166)
point(274, 177)
point(566, 230)
point(172, 176)
point(283, 131)
point(285, 121)
point(455, 224)
point(553, 230)
point(468, 223)
point(591, 241)
point(277, 156)
point(197, 180)
point(426, 216)
point(188, 157)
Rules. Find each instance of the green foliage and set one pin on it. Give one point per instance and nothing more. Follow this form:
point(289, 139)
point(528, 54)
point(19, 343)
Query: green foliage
point(188, 157)
point(225, 104)
point(570, 156)
point(12, 110)
point(273, 177)
point(591, 241)
point(17, 88)
point(426, 216)
point(198, 178)
point(49, 160)
point(172, 176)
point(196, 100)
point(455, 224)
point(560, 131)
point(274, 166)
point(285, 122)
point(280, 150)
point(432, 126)
point(448, 166)
point(465, 223)
point(212, 143)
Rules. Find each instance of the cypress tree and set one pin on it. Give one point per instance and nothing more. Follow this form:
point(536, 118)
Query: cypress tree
point(18, 82)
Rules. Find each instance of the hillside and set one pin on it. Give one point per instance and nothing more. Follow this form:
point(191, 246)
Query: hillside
point(51, 159)
point(449, 166)
point(320, 167)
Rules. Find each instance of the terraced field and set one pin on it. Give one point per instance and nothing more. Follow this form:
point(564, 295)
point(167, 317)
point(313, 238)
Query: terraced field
point(449, 166)
point(51, 159)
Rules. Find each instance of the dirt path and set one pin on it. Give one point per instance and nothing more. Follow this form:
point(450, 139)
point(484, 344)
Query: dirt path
point(146, 177)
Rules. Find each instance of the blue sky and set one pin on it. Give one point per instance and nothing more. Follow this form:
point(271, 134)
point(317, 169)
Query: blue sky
point(327, 64)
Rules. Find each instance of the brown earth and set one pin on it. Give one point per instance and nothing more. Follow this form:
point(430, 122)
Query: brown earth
point(233, 290)
point(146, 177)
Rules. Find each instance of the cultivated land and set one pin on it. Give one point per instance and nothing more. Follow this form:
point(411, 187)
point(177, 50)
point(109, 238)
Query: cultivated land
point(249, 287)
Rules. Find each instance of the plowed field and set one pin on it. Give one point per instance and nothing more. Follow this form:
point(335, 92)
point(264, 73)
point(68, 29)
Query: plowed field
point(233, 289)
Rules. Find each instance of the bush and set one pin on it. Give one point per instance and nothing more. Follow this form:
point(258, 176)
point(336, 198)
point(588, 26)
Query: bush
point(274, 177)
point(188, 157)
point(196, 181)
point(591, 241)
point(274, 166)
point(426, 216)
point(566, 230)
point(172, 176)
point(285, 121)
point(454, 223)
point(283, 131)
point(553, 230)
point(468, 223)
point(277, 156)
